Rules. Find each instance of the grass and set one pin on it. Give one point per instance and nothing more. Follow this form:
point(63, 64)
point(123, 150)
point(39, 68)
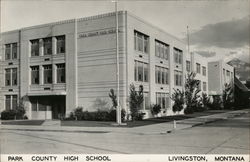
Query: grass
point(23, 122)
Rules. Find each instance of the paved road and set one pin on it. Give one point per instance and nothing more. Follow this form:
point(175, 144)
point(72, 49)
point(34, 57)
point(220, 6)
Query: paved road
point(228, 136)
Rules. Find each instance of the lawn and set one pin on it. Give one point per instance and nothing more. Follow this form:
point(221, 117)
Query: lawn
point(22, 122)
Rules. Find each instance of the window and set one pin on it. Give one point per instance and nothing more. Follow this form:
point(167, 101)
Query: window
point(34, 74)
point(161, 50)
point(60, 73)
point(198, 68)
point(40, 104)
point(14, 51)
point(188, 66)
point(47, 42)
point(141, 71)
point(11, 102)
point(7, 102)
point(204, 71)
point(34, 47)
point(178, 78)
point(177, 56)
point(141, 42)
point(7, 51)
point(204, 86)
point(14, 102)
point(60, 44)
point(47, 74)
point(14, 76)
point(228, 73)
point(145, 104)
point(7, 77)
point(161, 75)
point(162, 99)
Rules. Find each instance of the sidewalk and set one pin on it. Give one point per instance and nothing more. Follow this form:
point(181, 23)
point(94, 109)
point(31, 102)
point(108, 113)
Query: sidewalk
point(161, 128)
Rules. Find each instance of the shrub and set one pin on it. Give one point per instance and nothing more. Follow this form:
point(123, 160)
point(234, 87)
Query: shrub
point(135, 101)
point(8, 115)
point(78, 113)
point(155, 109)
point(179, 99)
point(139, 116)
point(216, 104)
point(188, 110)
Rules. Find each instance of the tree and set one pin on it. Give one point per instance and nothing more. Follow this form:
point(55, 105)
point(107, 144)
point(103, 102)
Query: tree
point(192, 99)
point(113, 98)
point(136, 99)
point(179, 100)
point(227, 96)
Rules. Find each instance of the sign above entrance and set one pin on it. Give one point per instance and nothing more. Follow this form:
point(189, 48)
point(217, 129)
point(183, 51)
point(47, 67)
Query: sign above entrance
point(99, 33)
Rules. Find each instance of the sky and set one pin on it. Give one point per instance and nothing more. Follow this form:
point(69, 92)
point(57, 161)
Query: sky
point(218, 29)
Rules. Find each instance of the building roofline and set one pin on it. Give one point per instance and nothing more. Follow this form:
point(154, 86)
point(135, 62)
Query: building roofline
point(92, 18)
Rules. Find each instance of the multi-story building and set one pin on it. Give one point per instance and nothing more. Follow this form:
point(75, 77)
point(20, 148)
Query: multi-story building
point(58, 66)
point(198, 64)
point(219, 74)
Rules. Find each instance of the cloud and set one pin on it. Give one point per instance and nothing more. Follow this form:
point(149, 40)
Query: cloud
point(206, 53)
point(228, 34)
point(242, 55)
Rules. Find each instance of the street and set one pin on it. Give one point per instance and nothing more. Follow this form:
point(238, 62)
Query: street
point(228, 136)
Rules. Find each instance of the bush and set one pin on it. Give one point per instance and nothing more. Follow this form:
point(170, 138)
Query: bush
point(188, 110)
point(155, 109)
point(13, 114)
point(79, 114)
point(139, 116)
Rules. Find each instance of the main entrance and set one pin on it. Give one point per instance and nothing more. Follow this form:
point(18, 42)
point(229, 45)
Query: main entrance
point(47, 107)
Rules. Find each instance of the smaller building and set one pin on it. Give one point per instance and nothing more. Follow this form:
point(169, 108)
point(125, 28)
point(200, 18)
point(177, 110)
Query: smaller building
point(198, 64)
point(219, 74)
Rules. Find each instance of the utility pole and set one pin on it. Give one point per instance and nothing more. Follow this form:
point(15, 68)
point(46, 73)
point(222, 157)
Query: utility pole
point(118, 110)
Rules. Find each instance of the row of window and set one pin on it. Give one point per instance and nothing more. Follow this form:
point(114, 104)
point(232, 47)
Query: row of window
point(161, 75)
point(46, 43)
point(198, 69)
point(11, 77)
point(47, 74)
point(163, 100)
point(141, 44)
point(11, 51)
point(11, 102)
point(141, 73)
point(161, 50)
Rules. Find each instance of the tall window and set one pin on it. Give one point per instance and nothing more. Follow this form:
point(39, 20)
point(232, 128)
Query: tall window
point(141, 42)
point(60, 73)
point(47, 42)
point(14, 101)
point(161, 75)
point(47, 74)
point(8, 102)
point(60, 44)
point(204, 86)
point(14, 76)
point(161, 50)
point(11, 102)
point(204, 71)
point(199, 85)
point(162, 99)
point(145, 105)
point(34, 47)
point(34, 74)
point(7, 77)
point(178, 78)
point(14, 51)
point(188, 66)
point(7, 52)
point(141, 71)
point(198, 68)
point(178, 56)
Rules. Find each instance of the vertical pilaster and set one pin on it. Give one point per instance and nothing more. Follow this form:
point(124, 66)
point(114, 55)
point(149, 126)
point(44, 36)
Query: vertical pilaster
point(40, 75)
point(171, 74)
point(54, 42)
point(41, 47)
point(54, 74)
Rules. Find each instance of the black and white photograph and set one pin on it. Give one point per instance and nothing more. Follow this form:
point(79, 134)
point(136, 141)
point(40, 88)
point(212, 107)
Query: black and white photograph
point(124, 80)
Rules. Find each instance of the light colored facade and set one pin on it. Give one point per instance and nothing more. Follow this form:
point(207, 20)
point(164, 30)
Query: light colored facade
point(199, 65)
point(219, 74)
point(66, 64)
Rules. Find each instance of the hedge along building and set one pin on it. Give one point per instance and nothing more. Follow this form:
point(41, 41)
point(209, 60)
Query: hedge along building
point(62, 65)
